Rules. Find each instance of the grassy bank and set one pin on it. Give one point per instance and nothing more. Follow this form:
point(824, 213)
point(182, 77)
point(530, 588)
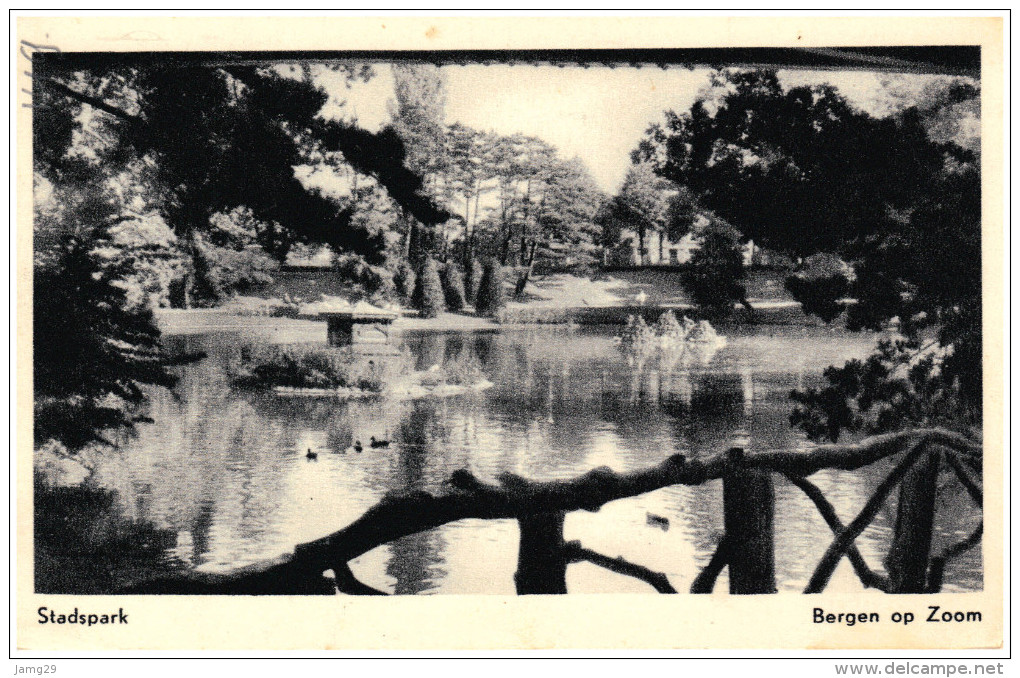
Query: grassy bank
point(552, 299)
point(765, 314)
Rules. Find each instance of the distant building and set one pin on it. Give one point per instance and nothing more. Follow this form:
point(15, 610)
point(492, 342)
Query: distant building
point(660, 250)
point(309, 256)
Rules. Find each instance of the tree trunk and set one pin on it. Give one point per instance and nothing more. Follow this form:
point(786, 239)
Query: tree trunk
point(408, 235)
point(907, 562)
point(541, 559)
point(180, 289)
point(749, 514)
point(522, 282)
point(504, 252)
point(467, 228)
point(178, 294)
point(470, 242)
point(524, 224)
point(415, 246)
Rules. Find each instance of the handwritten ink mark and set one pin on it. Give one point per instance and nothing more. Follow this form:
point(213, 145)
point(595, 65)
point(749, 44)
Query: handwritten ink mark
point(34, 49)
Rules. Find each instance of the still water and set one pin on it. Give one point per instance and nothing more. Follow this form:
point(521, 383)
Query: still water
point(225, 469)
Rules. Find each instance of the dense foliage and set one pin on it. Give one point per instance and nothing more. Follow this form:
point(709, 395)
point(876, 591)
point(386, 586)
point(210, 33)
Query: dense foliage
point(641, 206)
point(472, 280)
point(801, 171)
point(714, 275)
point(208, 155)
point(93, 349)
point(404, 280)
point(256, 364)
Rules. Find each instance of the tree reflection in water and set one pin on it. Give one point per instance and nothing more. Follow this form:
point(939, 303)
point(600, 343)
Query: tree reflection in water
point(225, 470)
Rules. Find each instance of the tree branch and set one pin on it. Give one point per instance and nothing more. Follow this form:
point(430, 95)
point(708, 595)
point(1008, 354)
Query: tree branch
point(407, 512)
point(971, 485)
point(705, 581)
point(854, 456)
point(574, 553)
point(839, 545)
point(347, 583)
point(92, 101)
point(937, 568)
point(868, 577)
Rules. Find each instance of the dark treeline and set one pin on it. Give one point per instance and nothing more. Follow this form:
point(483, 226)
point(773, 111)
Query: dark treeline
point(879, 216)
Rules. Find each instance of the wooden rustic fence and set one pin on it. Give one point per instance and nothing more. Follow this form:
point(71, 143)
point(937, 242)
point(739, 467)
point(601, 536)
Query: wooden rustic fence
point(747, 547)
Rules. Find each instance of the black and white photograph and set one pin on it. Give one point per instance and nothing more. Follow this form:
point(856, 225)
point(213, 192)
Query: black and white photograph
point(699, 322)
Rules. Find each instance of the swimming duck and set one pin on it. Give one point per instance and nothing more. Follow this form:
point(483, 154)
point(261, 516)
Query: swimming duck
point(311, 455)
point(378, 443)
point(357, 446)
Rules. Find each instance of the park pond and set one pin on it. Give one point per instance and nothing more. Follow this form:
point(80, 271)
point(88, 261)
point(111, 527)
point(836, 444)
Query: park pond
point(222, 472)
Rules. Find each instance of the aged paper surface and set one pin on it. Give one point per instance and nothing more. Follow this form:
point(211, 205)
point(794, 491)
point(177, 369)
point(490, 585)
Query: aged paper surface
point(476, 621)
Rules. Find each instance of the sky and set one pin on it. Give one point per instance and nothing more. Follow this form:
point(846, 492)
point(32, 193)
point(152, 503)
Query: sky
point(598, 114)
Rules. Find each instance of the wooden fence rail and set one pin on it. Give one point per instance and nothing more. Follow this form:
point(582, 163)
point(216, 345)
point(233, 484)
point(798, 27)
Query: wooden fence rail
point(539, 507)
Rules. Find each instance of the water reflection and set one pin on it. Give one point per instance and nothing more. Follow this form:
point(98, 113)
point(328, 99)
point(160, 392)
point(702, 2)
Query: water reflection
point(225, 469)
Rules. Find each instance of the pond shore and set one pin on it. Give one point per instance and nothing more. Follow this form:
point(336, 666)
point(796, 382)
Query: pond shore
point(204, 320)
point(175, 321)
point(552, 299)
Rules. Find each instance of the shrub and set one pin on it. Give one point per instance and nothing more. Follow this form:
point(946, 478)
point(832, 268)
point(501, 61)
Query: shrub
point(523, 315)
point(367, 280)
point(464, 370)
point(472, 279)
point(713, 277)
point(820, 286)
point(428, 296)
point(670, 328)
point(490, 298)
point(637, 333)
point(403, 280)
point(258, 364)
point(221, 271)
point(819, 296)
point(257, 306)
point(453, 288)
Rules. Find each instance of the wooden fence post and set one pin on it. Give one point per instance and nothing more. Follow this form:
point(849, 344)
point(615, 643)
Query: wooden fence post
point(749, 515)
point(907, 562)
point(541, 560)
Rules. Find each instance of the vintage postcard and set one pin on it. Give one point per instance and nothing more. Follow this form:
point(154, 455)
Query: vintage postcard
point(510, 333)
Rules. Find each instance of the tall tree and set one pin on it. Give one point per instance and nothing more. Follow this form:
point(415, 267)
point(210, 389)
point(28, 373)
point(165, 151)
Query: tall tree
point(641, 206)
point(567, 234)
point(472, 171)
point(94, 349)
point(418, 118)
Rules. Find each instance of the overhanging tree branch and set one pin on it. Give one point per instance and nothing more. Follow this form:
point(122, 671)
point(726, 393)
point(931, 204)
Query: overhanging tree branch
point(92, 101)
